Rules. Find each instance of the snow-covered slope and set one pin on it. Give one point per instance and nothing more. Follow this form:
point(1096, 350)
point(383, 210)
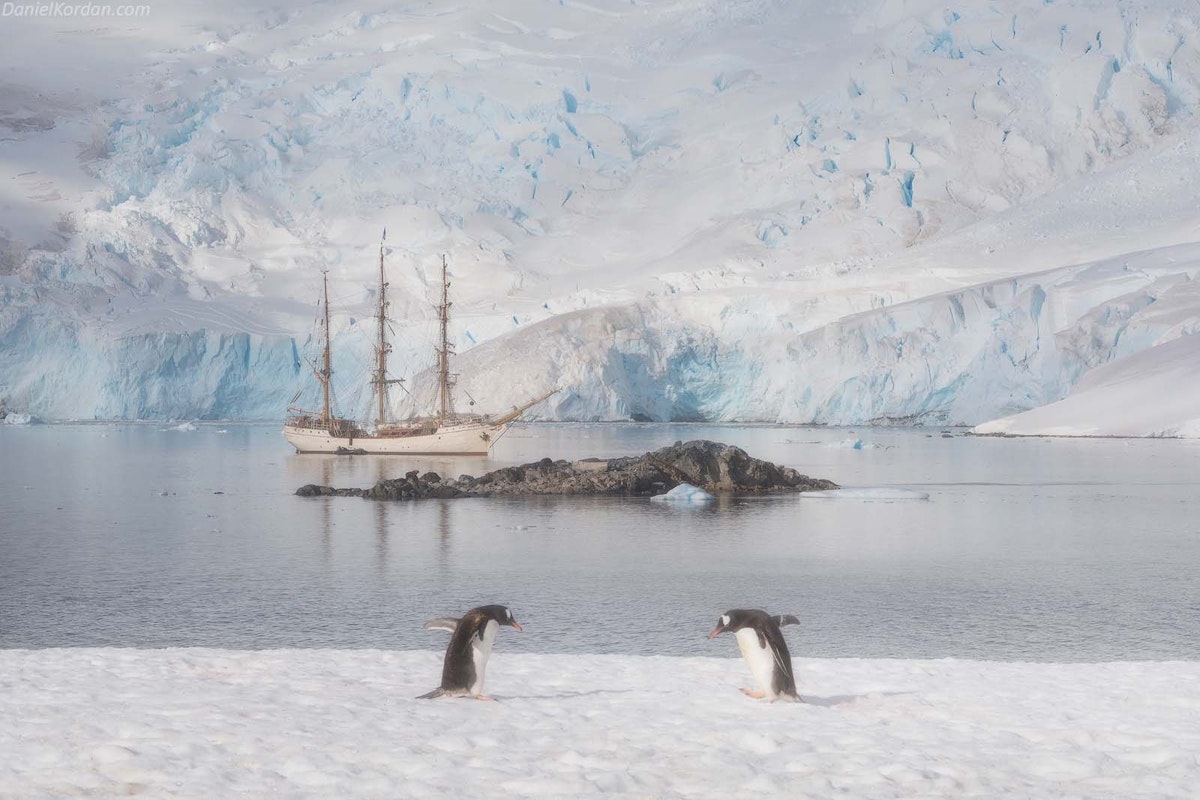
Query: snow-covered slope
point(1151, 393)
point(794, 211)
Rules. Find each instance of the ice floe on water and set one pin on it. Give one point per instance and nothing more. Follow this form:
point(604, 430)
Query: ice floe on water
point(685, 493)
point(854, 443)
point(881, 494)
point(185, 427)
point(13, 418)
point(344, 723)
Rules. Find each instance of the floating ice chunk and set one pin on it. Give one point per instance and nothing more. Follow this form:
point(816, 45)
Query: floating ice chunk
point(685, 493)
point(881, 494)
point(186, 426)
point(13, 418)
point(855, 444)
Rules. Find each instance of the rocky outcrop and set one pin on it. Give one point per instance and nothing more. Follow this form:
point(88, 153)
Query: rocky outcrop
point(411, 487)
point(712, 466)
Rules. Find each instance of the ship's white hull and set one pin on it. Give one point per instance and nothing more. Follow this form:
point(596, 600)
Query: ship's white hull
point(462, 440)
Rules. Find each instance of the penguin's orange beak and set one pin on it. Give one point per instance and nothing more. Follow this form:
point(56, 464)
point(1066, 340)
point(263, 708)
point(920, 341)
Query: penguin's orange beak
point(716, 632)
point(515, 625)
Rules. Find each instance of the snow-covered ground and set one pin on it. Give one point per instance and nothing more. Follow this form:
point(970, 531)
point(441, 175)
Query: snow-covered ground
point(751, 210)
point(322, 723)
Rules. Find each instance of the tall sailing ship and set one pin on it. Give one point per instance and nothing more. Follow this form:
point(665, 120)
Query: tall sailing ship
point(444, 433)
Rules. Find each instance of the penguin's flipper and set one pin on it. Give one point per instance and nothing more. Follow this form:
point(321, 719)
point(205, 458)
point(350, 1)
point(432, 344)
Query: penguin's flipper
point(431, 695)
point(783, 619)
point(784, 666)
point(442, 624)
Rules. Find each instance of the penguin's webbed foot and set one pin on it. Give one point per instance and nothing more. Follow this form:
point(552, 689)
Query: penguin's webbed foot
point(485, 697)
point(754, 694)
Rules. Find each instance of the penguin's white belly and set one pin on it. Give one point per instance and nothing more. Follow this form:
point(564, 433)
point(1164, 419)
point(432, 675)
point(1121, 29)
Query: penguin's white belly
point(760, 659)
point(481, 651)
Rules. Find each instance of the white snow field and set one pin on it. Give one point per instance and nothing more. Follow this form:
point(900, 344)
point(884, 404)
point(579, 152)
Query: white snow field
point(759, 210)
point(339, 723)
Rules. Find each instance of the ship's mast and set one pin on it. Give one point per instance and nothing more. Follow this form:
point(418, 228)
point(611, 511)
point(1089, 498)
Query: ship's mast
point(445, 380)
point(326, 372)
point(382, 347)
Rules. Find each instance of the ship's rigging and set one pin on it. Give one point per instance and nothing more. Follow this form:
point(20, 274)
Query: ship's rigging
point(444, 432)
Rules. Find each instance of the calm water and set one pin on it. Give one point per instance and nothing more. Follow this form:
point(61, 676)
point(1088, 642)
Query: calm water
point(133, 535)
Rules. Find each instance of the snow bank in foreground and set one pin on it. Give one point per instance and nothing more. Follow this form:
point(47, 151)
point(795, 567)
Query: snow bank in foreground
point(1155, 392)
point(685, 493)
point(326, 723)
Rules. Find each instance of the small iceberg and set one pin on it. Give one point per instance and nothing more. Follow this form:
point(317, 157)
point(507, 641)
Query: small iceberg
point(855, 444)
point(187, 426)
point(13, 418)
point(881, 494)
point(685, 493)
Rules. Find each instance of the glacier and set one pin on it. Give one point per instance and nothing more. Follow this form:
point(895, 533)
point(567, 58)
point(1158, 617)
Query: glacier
point(753, 211)
point(951, 358)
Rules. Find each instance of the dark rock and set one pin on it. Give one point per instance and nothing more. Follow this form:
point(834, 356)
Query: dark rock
point(712, 466)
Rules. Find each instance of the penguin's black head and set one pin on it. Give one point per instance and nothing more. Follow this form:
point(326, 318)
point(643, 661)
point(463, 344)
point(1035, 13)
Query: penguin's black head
point(724, 623)
point(501, 615)
point(735, 619)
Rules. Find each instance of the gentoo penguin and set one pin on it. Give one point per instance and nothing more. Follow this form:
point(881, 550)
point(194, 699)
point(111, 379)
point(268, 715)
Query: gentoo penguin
point(470, 646)
point(763, 647)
